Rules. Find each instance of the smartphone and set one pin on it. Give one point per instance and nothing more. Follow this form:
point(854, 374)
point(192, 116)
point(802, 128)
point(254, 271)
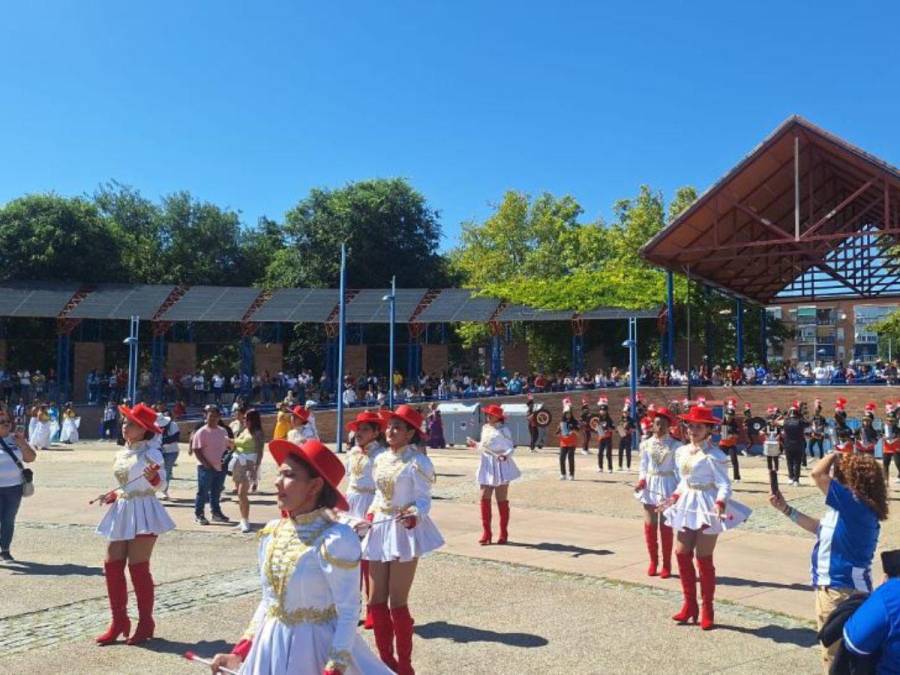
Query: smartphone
point(773, 482)
point(20, 428)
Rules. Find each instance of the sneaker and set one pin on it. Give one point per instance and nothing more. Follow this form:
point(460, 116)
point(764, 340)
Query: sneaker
point(245, 526)
point(164, 496)
point(585, 452)
point(599, 470)
point(220, 518)
point(563, 477)
point(571, 477)
point(5, 556)
point(201, 520)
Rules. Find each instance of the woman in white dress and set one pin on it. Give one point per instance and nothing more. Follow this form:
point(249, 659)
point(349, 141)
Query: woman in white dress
point(71, 422)
point(309, 571)
point(496, 470)
point(656, 483)
point(699, 511)
point(132, 523)
point(366, 429)
point(40, 435)
point(400, 533)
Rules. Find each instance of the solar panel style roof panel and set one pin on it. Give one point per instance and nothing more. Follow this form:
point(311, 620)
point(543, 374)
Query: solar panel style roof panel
point(524, 313)
point(458, 304)
point(616, 313)
point(121, 301)
point(35, 298)
point(212, 303)
point(369, 307)
point(298, 305)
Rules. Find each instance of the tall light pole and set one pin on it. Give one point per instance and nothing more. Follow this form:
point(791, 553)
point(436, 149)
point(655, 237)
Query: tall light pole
point(342, 318)
point(392, 298)
point(132, 342)
point(631, 343)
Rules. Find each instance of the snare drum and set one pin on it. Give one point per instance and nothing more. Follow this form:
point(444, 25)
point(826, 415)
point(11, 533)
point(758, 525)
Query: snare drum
point(771, 449)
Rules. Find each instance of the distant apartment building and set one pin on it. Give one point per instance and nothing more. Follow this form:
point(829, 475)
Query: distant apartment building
point(837, 330)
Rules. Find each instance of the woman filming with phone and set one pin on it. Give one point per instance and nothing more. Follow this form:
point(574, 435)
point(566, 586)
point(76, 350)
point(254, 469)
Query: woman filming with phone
point(15, 479)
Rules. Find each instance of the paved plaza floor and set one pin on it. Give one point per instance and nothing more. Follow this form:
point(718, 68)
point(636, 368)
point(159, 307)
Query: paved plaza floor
point(568, 594)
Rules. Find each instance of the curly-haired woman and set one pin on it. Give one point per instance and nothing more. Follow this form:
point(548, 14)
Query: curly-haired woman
point(847, 535)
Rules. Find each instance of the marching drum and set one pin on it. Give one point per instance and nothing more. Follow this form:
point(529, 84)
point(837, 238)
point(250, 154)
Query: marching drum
point(771, 449)
point(543, 418)
point(594, 422)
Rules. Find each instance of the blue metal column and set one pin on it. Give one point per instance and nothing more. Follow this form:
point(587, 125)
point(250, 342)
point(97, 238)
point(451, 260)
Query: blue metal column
point(670, 324)
point(331, 360)
point(157, 359)
point(246, 366)
point(414, 359)
point(63, 367)
point(577, 354)
point(391, 344)
point(763, 337)
point(496, 358)
point(739, 329)
point(633, 377)
point(342, 326)
point(707, 332)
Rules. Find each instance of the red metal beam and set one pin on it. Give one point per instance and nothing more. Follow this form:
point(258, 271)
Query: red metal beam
point(840, 207)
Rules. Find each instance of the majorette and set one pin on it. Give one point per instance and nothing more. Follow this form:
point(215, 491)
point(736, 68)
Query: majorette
point(496, 470)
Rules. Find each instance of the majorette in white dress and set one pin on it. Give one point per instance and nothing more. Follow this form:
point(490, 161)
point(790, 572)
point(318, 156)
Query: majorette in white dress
point(403, 484)
point(361, 482)
point(497, 464)
point(69, 433)
point(306, 620)
point(136, 509)
point(657, 470)
point(703, 480)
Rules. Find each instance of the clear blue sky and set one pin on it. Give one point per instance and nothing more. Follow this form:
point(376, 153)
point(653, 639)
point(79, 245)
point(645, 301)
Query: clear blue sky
point(250, 104)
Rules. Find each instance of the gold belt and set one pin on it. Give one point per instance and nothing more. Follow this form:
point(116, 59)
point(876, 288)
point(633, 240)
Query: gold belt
point(701, 486)
point(363, 490)
point(137, 493)
point(303, 615)
point(665, 474)
point(394, 509)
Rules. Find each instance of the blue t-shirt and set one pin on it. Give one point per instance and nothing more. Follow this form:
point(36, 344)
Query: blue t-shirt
point(848, 535)
point(876, 626)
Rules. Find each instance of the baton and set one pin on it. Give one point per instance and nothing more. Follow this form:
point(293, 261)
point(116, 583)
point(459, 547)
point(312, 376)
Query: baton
point(133, 480)
point(725, 516)
point(193, 658)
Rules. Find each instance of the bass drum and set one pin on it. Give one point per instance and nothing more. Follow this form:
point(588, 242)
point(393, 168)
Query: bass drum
point(594, 422)
point(543, 418)
point(756, 426)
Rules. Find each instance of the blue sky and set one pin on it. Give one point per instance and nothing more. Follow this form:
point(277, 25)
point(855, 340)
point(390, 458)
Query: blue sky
point(250, 104)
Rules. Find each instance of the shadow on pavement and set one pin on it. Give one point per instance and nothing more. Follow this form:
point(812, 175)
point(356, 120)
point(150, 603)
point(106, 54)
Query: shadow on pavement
point(26, 567)
point(465, 634)
point(204, 649)
point(801, 637)
point(576, 551)
point(752, 583)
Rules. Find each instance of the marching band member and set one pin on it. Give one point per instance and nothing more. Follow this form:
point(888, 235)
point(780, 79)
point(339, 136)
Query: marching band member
point(301, 431)
point(533, 428)
point(793, 441)
point(891, 445)
point(844, 437)
point(604, 433)
point(817, 431)
point(568, 439)
point(698, 511)
point(401, 532)
point(626, 434)
point(586, 425)
point(868, 436)
point(728, 437)
point(646, 424)
point(656, 483)
point(772, 444)
point(132, 523)
point(496, 471)
point(309, 571)
point(748, 417)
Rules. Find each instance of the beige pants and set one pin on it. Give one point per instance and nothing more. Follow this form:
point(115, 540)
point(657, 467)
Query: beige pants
point(827, 600)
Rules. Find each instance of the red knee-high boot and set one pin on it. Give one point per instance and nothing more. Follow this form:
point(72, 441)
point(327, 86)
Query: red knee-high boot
point(403, 628)
point(117, 590)
point(368, 623)
point(384, 634)
point(143, 591)
point(666, 537)
point(707, 591)
point(652, 549)
point(688, 577)
point(504, 521)
point(485, 522)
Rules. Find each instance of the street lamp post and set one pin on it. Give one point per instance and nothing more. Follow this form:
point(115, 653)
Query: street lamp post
point(342, 318)
point(392, 298)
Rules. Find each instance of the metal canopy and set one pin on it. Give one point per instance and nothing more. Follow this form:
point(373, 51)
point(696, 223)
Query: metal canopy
point(458, 304)
point(121, 301)
point(37, 299)
point(212, 303)
point(525, 313)
point(605, 313)
point(805, 215)
point(298, 305)
point(367, 305)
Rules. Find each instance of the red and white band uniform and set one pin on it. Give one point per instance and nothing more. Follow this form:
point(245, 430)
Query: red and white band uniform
point(890, 446)
point(496, 469)
point(361, 481)
point(657, 480)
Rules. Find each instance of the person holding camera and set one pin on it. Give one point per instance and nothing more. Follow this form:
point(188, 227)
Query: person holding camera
point(15, 479)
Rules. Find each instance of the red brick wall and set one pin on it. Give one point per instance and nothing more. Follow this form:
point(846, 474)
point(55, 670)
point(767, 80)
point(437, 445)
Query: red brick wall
point(181, 357)
point(268, 357)
point(435, 358)
point(515, 358)
point(355, 359)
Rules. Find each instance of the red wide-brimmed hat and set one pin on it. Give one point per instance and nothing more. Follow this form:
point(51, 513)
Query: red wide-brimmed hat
point(320, 458)
point(301, 412)
point(142, 415)
point(700, 414)
point(408, 414)
point(662, 412)
point(367, 417)
point(494, 410)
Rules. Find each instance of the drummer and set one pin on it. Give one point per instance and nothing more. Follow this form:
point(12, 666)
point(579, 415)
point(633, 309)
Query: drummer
point(816, 434)
point(728, 437)
point(891, 446)
point(868, 435)
point(772, 443)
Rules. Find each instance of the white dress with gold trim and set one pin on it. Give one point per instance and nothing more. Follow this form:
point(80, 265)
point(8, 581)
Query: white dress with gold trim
point(361, 481)
point(403, 485)
point(306, 620)
point(497, 465)
point(703, 480)
point(137, 510)
point(657, 470)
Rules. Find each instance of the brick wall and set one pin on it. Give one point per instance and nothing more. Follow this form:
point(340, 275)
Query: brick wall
point(515, 358)
point(355, 360)
point(268, 356)
point(88, 356)
point(435, 358)
point(181, 357)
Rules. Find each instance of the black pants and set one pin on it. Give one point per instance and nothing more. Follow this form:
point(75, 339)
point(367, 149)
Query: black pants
point(625, 447)
point(887, 464)
point(813, 442)
point(605, 445)
point(108, 426)
point(567, 454)
point(772, 463)
point(587, 439)
point(735, 462)
point(794, 462)
point(533, 431)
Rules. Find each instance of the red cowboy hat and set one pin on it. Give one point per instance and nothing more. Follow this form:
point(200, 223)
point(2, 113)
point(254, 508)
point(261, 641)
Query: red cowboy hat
point(142, 415)
point(408, 414)
point(494, 410)
point(662, 412)
point(367, 417)
point(700, 414)
point(301, 412)
point(320, 458)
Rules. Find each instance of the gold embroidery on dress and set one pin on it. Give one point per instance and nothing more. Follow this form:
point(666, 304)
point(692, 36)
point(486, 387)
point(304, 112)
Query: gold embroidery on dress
point(659, 452)
point(338, 660)
point(358, 463)
point(337, 562)
point(387, 469)
point(303, 614)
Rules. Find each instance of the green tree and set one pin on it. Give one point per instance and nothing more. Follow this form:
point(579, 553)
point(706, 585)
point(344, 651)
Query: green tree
point(136, 222)
point(49, 237)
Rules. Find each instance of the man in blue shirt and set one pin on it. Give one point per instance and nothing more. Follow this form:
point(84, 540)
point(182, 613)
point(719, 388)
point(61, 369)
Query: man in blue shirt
point(875, 627)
